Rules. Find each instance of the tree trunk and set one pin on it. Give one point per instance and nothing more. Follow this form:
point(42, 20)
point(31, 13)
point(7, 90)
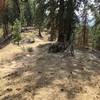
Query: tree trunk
point(5, 25)
point(52, 33)
point(39, 34)
point(5, 30)
point(61, 33)
point(17, 6)
point(85, 36)
point(85, 29)
point(2, 5)
point(61, 37)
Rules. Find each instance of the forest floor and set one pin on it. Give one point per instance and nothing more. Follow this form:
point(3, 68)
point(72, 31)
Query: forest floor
point(39, 75)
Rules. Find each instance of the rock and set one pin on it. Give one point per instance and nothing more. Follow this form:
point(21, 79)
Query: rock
point(29, 40)
point(62, 90)
point(39, 72)
point(74, 64)
point(73, 73)
point(18, 89)
point(13, 62)
point(62, 68)
point(32, 40)
point(9, 89)
point(28, 55)
point(28, 88)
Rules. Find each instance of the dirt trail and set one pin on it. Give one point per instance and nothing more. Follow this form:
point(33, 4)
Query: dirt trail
point(40, 75)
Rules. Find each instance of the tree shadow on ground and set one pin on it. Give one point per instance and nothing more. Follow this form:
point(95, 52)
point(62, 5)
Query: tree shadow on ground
point(5, 42)
point(41, 69)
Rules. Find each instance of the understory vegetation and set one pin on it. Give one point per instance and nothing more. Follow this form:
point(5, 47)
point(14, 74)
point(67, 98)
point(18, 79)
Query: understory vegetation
point(49, 50)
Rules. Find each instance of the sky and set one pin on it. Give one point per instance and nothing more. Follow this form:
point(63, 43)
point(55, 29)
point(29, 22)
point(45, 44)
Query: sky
point(91, 18)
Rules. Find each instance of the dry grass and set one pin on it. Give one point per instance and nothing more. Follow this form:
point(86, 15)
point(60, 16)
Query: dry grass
point(40, 75)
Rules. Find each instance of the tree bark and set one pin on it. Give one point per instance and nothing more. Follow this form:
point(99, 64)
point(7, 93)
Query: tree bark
point(17, 6)
point(39, 34)
point(61, 22)
point(5, 25)
point(52, 32)
point(5, 30)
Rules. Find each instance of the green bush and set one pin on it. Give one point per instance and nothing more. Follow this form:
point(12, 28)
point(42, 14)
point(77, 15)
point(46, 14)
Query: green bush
point(30, 49)
point(17, 31)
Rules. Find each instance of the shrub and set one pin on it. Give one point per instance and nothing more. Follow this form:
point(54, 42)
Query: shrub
point(17, 31)
point(30, 49)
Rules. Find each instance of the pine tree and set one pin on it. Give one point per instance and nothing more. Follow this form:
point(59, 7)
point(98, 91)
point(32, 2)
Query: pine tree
point(52, 19)
point(39, 15)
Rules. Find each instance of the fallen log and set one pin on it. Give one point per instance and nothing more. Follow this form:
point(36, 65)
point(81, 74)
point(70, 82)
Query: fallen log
point(5, 40)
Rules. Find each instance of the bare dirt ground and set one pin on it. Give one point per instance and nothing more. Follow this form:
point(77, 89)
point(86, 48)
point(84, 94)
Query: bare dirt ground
point(40, 75)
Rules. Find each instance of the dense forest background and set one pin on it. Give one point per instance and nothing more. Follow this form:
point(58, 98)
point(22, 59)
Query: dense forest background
point(70, 22)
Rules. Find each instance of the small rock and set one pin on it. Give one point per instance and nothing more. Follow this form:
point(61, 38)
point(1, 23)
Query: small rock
point(73, 73)
point(52, 73)
point(32, 40)
point(62, 68)
point(18, 89)
point(28, 55)
point(84, 68)
point(28, 88)
point(62, 90)
point(75, 65)
point(9, 89)
point(39, 72)
point(13, 62)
